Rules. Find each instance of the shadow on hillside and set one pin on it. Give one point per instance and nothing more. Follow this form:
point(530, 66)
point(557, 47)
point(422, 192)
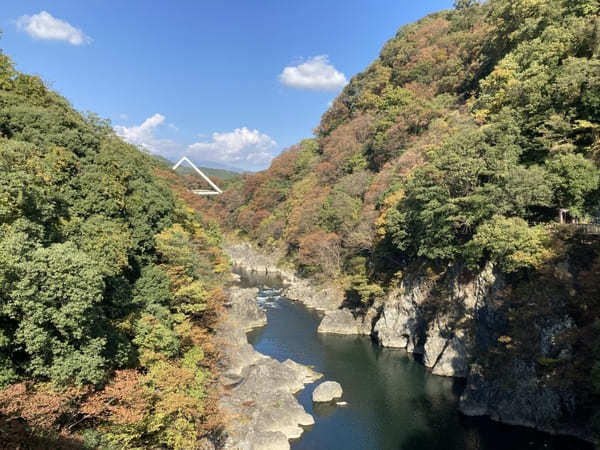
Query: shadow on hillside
point(14, 434)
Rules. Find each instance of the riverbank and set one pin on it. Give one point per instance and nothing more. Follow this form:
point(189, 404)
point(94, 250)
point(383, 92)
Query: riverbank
point(322, 298)
point(391, 401)
point(441, 319)
point(261, 411)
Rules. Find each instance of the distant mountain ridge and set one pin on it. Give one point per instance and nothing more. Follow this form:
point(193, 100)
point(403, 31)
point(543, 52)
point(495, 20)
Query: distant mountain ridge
point(223, 174)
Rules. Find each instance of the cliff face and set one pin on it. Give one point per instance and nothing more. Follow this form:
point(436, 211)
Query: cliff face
point(455, 149)
point(436, 317)
point(460, 323)
point(464, 325)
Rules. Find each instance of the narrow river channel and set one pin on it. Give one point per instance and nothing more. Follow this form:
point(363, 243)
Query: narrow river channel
point(393, 402)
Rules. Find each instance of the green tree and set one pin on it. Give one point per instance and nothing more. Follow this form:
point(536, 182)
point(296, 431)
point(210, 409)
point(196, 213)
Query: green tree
point(573, 179)
point(510, 242)
point(56, 303)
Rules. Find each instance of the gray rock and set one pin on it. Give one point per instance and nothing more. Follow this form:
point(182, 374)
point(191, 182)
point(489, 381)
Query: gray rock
point(323, 298)
point(327, 391)
point(343, 321)
point(445, 350)
point(250, 258)
point(258, 391)
point(245, 255)
point(243, 308)
point(261, 440)
point(401, 321)
point(408, 320)
point(516, 396)
point(549, 333)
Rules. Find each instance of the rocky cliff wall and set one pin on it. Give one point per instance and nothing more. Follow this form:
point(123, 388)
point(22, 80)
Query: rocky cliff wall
point(469, 325)
point(460, 323)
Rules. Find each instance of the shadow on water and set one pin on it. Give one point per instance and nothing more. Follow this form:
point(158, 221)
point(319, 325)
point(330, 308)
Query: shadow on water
point(393, 402)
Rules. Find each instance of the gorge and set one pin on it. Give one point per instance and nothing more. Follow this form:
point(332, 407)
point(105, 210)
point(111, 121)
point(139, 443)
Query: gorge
point(433, 247)
point(392, 401)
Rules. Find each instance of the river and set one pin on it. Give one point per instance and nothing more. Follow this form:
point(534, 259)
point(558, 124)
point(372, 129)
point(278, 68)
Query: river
point(393, 402)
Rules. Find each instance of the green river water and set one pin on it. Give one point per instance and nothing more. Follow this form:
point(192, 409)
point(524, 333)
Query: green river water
point(393, 401)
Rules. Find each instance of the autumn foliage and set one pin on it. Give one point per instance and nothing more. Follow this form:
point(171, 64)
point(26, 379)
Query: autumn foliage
point(110, 285)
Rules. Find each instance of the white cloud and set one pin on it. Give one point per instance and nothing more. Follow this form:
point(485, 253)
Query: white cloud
point(46, 26)
point(316, 74)
point(243, 147)
point(144, 136)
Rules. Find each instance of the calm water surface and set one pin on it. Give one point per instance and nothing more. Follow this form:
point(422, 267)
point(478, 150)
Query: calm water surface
point(394, 403)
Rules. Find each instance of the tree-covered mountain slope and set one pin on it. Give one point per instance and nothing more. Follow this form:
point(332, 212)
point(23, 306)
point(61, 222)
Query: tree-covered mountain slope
point(109, 285)
point(467, 118)
point(460, 146)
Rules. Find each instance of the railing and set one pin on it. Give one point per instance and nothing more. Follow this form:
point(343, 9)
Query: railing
point(583, 228)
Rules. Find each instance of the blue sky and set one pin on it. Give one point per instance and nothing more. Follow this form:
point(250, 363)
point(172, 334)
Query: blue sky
point(230, 83)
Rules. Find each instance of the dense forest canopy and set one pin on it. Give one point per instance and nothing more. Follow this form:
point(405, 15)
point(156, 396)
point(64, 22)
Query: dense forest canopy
point(469, 120)
point(459, 145)
point(102, 269)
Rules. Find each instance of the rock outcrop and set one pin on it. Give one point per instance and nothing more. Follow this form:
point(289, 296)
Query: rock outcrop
point(345, 321)
point(246, 255)
point(456, 320)
point(322, 298)
point(515, 395)
point(434, 318)
point(258, 391)
point(328, 299)
point(327, 391)
point(244, 309)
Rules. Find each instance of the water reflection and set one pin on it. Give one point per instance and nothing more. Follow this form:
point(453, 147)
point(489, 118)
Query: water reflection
point(393, 402)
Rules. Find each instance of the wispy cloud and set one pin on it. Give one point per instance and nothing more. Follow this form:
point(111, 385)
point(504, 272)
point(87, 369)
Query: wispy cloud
point(144, 136)
point(242, 147)
point(45, 26)
point(316, 74)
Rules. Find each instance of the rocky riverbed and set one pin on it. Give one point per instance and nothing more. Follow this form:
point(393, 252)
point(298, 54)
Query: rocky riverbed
point(452, 321)
point(258, 391)
point(327, 298)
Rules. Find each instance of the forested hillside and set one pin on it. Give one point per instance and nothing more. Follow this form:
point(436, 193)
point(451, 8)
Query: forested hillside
point(459, 145)
point(109, 285)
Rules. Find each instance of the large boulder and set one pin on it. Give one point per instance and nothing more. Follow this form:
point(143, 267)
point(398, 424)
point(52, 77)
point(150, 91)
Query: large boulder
point(327, 392)
point(323, 298)
point(245, 255)
point(244, 309)
point(344, 321)
point(338, 321)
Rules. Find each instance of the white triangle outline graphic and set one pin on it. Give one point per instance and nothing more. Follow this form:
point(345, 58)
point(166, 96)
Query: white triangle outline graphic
point(216, 190)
